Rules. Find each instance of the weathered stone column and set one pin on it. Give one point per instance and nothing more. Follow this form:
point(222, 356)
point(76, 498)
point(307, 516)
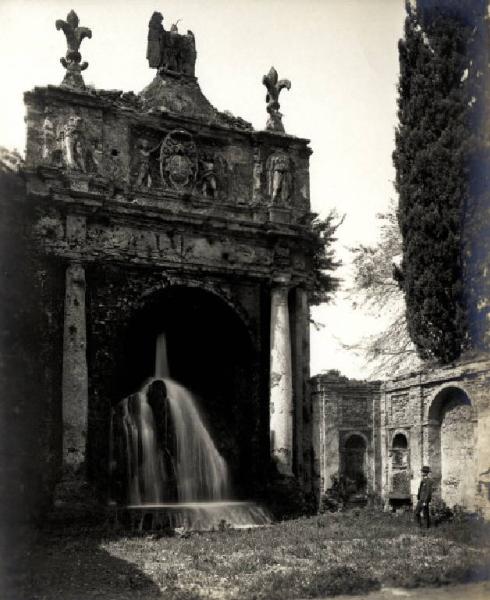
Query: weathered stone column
point(75, 376)
point(281, 381)
point(301, 392)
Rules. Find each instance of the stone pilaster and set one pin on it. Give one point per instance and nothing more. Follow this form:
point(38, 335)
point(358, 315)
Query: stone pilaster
point(383, 442)
point(482, 435)
point(318, 440)
point(75, 378)
point(281, 381)
point(376, 448)
point(431, 450)
point(416, 439)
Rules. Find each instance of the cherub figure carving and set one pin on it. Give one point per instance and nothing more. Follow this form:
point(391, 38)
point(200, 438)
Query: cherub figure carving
point(72, 60)
point(144, 175)
point(209, 182)
point(274, 87)
point(213, 176)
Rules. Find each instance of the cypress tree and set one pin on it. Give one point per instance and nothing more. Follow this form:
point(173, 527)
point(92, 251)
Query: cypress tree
point(477, 209)
point(434, 145)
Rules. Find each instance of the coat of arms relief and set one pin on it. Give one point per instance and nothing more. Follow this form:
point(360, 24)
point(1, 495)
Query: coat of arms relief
point(176, 163)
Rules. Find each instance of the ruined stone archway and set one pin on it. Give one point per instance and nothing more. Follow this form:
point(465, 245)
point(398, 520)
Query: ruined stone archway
point(451, 443)
point(211, 353)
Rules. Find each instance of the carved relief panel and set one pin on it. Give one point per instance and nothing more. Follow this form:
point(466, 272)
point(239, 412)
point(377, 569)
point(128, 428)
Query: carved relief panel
point(178, 161)
point(71, 141)
point(174, 161)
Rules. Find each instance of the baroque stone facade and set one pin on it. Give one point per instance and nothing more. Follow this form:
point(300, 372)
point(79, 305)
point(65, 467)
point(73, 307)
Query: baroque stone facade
point(156, 212)
point(438, 417)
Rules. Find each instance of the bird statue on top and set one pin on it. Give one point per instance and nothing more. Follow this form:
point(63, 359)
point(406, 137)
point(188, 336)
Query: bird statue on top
point(274, 86)
point(72, 60)
point(170, 52)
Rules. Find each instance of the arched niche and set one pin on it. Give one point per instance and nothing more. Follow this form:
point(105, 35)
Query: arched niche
point(211, 352)
point(400, 468)
point(400, 452)
point(354, 461)
point(451, 443)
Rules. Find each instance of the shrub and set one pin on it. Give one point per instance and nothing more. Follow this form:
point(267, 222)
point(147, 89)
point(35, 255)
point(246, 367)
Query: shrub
point(440, 511)
point(285, 498)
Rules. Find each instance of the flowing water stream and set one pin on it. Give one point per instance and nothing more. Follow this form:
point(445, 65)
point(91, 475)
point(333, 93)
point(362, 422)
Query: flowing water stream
point(167, 461)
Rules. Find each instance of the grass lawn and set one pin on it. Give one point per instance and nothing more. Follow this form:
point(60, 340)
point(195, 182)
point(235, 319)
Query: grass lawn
point(305, 558)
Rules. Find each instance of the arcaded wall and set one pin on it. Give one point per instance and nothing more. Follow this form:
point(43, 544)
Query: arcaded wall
point(445, 415)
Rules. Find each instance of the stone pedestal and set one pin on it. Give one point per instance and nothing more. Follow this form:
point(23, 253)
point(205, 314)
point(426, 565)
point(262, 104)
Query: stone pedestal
point(75, 383)
point(281, 384)
point(279, 215)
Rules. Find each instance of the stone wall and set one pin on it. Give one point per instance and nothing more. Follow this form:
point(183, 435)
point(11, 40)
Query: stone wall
point(346, 416)
point(438, 417)
point(443, 413)
point(31, 317)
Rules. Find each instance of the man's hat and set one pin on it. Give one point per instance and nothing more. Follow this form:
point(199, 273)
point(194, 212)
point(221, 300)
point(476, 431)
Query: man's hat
point(425, 469)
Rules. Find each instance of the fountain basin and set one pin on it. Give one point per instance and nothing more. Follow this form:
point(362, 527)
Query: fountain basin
point(191, 516)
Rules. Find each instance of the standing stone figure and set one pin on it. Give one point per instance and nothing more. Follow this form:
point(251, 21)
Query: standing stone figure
point(144, 175)
point(155, 40)
point(49, 140)
point(279, 178)
point(274, 87)
point(72, 60)
point(258, 170)
point(75, 147)
point(424, 496)
point(209, 181)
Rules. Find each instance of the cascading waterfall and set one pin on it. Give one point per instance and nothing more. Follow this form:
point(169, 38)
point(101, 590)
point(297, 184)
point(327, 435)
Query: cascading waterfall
point(201, 471)
point(165, 460)
point(161, 358)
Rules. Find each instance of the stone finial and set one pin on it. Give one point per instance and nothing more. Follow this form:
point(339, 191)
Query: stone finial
point(274, 86)
point(72, 60)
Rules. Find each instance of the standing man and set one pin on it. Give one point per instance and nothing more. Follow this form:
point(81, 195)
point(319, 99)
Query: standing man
point(424, 496)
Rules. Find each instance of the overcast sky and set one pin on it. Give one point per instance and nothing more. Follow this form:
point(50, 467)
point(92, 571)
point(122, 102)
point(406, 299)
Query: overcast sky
point(340, 55)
